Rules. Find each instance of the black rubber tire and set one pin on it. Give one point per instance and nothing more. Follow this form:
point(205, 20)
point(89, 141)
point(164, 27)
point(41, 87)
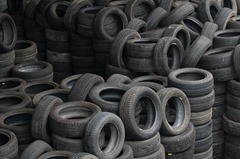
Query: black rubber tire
point(102, 45)
point(137, 25)
point(209, 29)
point(155, 17)
point(154, 86)
point(220, 88)
point(232, 113)
point(218, 136)
point(231, 149)
point(232, 4)
point(60, 93)
point(70, 18)
point(56, 36)
point(35, 149)
point(233, 87)
point(203, 131)
point(181, 32)
point(182, 155)
point(127, 107)
point(166, 4)
point(87, 15)
point(7, 58)
point(85, 83)
point(203, 145)
point(183, 111)
point(39, 127)
point(229, 126)
point(160, 154)
point(118, 79)
point(9, 148)
point(68, 82)
point(30, 10)
point(206, 155)
point(218, 111)
point(25, 48)
point(140, 48)
point(234, 23)
point(197, 87)
point(156, 33)
point(194, 26)
point(33, 71)
point(67, 144)
point(200, 118)
point(145, 147)
point(207, 10)
point(202, 103)
point(99, 26)
point(223, 17)
point(56, 154)
point(9, 33)
point(217, 124)
point(14, 100)
point(11, 84)
point(83, 155)
point(226, 38)
point(152, 78)
point(167, 47)
point(224, 74)
point(61, 123)
point(55, 14)
point(116, 52)
point(108, 96)
point(233, 101)
point(94, 129)
point(217, 58)
point(181, 142)
point(195, 52)
point(178, 14)
point(135, 64)
point(236, 55)
point(126, 153)
point(133, 7)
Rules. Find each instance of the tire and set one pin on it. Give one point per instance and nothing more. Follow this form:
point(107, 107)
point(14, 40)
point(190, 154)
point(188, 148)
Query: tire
point(33, 71)
point(126, 152)
point(217, 58)
point(194, 26)
point(231, 4)
point(218, 111)
point(233, 101)
point(201, 118)
point(61, 123)
point(7, 59)
point(231, 149)
point(195, 52)
point(119, 79)
point(161, 55)
point(99, 26)
point(155, 17)
point(198, 86)
point(135, 64)
point(132, 5)
point(57, 57)
point(140, 48)
point(209, 30)
point(103, 46)
point(233, 23)
point(85, 83)
point(185, 154)
point(180, 32)
point(202, 103)
point(108, 96)
point(160, 154)
point(203, 131)
point(204, 144)
point(156, 33)
point(93, 130)
point(226, 38)
point(116, 52)
point(206, 155)
point(11, 84)
point(24, 48)
point(40, 118)
point(83, 155)
point(87, 15)
point(154, 86)
point(232, 113)
point(145, 147)
point(68, 82)
point(60, 93)
point(9, 32)
point(220, 88)
point(218, 136)
point(182, 106)
point(56, 154)
point(137, 25)
point(207, 10)
point(13, 101)
point(179, 143)
point(224, 74)
point(152, 78)
point(127, 107)
point(56, 36)
point(67, 144)
point(229, 126)
point(31, 9)
point(35, 149)
point(233, 87)
point(9, 148)
point(53, 14)
point(178, 14)
point(236, 55)
point(223, 17)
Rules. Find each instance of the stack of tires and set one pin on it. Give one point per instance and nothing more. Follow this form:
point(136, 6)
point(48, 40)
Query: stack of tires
point(197, 84)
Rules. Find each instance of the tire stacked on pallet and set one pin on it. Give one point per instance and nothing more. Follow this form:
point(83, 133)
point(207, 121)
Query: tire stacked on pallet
point(9, 37)
point(197, 84)
point(173, 135)
point(231, 119)
point(34, 31)
point(25, 51)
point(16, 10)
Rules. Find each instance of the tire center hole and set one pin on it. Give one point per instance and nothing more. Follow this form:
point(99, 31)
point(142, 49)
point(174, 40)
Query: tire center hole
point(20, 120)
point(3, 139)
point(35, 89)
point(9, 84)
point(10, 101)
point(112, 94)
point(188, 76)
point(72, 113)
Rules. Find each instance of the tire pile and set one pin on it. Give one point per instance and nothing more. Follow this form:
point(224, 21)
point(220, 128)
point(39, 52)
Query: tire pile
point(129, 79)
